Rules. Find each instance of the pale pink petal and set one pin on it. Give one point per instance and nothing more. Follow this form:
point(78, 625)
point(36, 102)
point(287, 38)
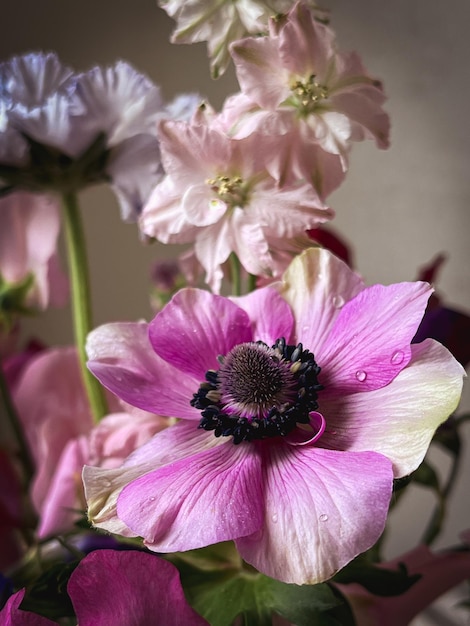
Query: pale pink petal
point(323, 508)
point(270, 315)
point(117, 435)
point(398, 420)
point(194, 329)
point(305, 45)
point(317, 285)
point(369, 343)
point(369, 115)
point(214, 496)
point(122, 358)
point(201, 206)
point(64, 499)
point(259, 71)
point(213, 246)
point(163, 216)
point(124, 596)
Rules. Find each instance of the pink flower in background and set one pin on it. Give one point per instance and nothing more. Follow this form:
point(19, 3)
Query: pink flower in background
point(318, 387)
point(439, 571)
point(111, 588)
point(305, 86)
point(29, 231)
point(220, 194)
point(54, 411)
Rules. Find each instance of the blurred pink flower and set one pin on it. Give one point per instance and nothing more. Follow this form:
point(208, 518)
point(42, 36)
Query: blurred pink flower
point(301, 492)
point(55, 415)
point(440, 572)
point(29, 231)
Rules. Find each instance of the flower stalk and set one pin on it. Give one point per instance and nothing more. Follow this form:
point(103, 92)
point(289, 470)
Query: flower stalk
point(10, 410)
point(81, 299)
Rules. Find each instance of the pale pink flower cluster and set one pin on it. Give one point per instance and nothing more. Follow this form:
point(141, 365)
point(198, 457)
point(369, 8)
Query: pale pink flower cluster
point(246, 180)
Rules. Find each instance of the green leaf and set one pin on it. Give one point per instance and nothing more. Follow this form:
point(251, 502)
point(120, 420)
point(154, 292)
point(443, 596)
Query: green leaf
point(48, 595)
point(220, 596)
point(377, 580)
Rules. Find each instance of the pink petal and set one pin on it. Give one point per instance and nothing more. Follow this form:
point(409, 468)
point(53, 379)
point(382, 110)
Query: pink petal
point(111, 588)
point(270, 315)
point(317, 285)
point(64, 497)
point(123, 359)
point(369, 343)
point(194, 329)
point(103, 486)
point(212, 496)
point(12, 615)
point(323, 508)
point(259, 71)
point(399, 419)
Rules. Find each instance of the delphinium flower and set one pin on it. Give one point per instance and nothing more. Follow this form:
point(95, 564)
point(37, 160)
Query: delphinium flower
point(114, 588)
point(56, 418)
point(299, 407)
point(219, 22)
point(220, 194)
point(298, 83)
point(62, 130)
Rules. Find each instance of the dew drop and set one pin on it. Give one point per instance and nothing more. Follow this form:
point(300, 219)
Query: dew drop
point(151, 499)
point(274, 518)
point(361, 375)
point(323, 517)
point(305, 329)
point(338, 301)
point(397, 357)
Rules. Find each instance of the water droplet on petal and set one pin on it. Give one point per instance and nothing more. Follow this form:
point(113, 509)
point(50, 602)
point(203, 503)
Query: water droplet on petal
point(323, 517)
point(305, 329)
point(397, 357)
point(338, 301)
point(151, 499)
point(274, 518)
point(361, 375)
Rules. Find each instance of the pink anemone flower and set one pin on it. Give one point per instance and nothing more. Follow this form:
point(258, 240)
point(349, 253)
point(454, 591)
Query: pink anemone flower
point(299, 405)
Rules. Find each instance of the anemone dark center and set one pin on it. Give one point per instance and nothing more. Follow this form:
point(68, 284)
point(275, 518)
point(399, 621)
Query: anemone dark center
point(259, 391)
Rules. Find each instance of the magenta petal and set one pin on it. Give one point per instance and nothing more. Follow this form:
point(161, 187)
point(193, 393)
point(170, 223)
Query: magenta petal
point(120, 588)
point(369, 343)
point(123, 360)
point(323, 508)
point(213, 496)
point(270, 315)
point(12, 615)
point(195, 328)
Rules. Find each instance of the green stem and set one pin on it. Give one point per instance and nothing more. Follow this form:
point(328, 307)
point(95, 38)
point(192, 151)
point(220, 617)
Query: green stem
point(81, 300)
point(24, 452)
point(236, 275)
point(251, 286)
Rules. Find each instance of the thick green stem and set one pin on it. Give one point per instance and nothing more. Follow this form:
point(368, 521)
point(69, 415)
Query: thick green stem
point(236, 275)
point(81, 300)
point(24, 452)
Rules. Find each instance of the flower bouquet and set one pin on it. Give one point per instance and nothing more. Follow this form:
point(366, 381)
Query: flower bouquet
point(235, 459)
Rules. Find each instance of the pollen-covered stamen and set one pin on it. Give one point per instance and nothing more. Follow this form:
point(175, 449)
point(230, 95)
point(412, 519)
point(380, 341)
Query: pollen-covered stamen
point(231, 189)
point(253, 379)
point(308, 94)
point(259, 391)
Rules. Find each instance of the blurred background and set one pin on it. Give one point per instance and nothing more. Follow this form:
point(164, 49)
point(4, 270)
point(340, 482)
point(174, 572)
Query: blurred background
point(397, 208)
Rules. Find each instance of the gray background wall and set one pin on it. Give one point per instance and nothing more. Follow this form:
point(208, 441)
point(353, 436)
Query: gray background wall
point(398, 208)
